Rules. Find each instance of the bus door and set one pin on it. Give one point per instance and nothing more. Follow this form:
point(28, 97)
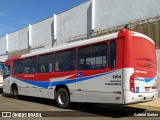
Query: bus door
point(7, 79)
point(30, 75)
point(44, 74)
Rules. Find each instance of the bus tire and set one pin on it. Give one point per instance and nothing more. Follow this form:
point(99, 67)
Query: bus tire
point(62, 98)
point(15, 93)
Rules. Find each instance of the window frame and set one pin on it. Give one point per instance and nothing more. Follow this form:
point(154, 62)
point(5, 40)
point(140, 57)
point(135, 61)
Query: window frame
point(35, 65)
point(92, 45)
point(109, 57)
point(22, 67)
point(46, 62)
point(74, 49)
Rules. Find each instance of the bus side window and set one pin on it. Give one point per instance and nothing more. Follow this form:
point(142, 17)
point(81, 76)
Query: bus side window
point(92, 57)
point(18, 67)
point(45, 63)
point(112, 54)
point(30, 65)
point(65, 61)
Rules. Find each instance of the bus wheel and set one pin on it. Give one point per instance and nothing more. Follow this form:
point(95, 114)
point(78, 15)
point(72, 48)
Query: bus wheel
point(62, 98)
point(15, 93)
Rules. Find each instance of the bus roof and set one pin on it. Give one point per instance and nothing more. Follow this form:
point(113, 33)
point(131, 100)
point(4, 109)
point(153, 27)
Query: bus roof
point(142, 36)
point(81, 43)
point(13, 58)
point(74, 44)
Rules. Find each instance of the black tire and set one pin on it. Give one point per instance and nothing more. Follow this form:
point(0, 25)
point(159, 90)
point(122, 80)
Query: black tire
point(15, 93)
point(62, 98)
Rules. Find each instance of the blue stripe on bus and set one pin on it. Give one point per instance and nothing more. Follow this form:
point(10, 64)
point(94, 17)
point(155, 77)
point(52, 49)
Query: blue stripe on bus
point(47, 84)
point(145, 79)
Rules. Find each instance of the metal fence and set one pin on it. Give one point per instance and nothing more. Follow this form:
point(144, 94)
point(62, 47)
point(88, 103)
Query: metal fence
point(152, 30)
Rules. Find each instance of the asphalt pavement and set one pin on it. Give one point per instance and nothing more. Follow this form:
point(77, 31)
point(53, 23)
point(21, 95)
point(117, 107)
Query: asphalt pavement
point(45, 108)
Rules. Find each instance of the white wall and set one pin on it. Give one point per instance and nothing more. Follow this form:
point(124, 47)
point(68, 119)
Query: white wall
point(18, 40)
point(2, 46)
point(3, 55)
point(109, 13)
point(74, 22)
point(42, 35)
point(3, 58)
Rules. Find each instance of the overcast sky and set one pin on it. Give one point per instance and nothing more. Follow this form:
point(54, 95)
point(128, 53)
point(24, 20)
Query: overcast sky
point(16, 14)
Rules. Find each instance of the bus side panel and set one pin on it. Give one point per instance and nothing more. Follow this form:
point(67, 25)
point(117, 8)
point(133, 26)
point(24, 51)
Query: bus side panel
point(102, 86)
point(28, 85)
point(43, 84)
point(51, 80)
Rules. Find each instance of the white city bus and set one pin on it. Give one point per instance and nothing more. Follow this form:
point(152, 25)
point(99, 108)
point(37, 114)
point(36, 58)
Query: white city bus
point(119, 68)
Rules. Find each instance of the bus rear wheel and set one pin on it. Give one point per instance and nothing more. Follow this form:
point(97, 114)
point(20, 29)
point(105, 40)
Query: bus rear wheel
point(62, 98)
point(15, 93)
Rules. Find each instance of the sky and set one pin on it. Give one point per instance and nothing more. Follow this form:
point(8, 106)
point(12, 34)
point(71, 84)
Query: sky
point(16, 14)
